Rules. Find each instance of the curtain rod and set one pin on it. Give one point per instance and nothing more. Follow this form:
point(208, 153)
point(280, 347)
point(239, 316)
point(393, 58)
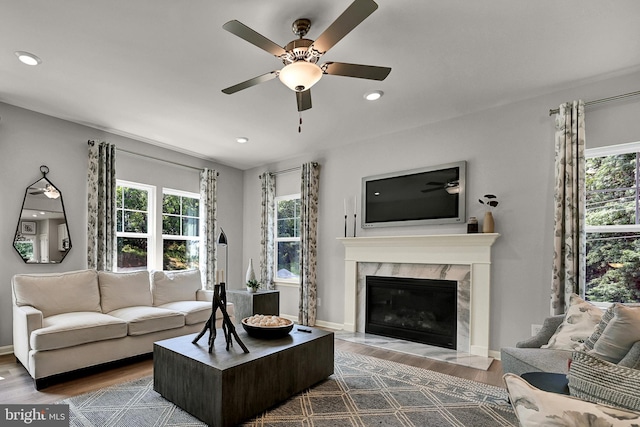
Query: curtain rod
point(90, 142)
point(286, 170)
point(598, 101)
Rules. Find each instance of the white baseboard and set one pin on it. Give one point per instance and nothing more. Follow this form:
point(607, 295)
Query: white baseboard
point(494, 354)
point(321, 323)
point(6, 350)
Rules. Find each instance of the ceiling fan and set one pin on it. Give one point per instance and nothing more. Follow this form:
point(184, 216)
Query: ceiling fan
point(451, 187)
point(300, 57)
point(50, 191)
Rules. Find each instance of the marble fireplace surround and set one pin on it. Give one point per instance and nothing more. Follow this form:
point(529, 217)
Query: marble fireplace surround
point(464, 258)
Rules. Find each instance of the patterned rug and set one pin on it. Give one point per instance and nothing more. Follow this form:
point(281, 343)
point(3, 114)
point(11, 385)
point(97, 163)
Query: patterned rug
point(363, 391)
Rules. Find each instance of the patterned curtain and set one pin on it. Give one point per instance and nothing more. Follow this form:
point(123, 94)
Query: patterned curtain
point(569, 234)
point(208, 208)
point(101, 204)
point(266, 230)
point(308, 243)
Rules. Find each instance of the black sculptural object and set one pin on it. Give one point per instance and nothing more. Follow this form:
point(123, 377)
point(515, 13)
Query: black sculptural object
point(229, 330)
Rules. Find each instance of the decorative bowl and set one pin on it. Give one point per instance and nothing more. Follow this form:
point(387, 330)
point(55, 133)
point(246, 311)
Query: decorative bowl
point(267, 332)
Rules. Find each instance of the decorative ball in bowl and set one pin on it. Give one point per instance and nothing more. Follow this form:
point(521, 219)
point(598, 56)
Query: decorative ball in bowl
point(267, 327)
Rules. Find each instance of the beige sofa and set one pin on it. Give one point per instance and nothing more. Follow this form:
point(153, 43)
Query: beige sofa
point(64, 322)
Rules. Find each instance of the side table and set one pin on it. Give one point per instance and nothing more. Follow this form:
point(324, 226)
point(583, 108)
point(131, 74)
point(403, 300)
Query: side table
point(247, 304)
point(548, 381)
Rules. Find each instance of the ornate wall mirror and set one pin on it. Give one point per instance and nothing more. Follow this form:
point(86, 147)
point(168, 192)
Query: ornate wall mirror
point(42, 235)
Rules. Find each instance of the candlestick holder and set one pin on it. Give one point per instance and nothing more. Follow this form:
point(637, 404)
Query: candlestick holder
point(354, 225)
point(345, 226)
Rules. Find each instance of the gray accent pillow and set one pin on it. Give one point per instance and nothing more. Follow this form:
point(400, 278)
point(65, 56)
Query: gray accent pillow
point(620, 334)
point(600, 381)
point(591, 341)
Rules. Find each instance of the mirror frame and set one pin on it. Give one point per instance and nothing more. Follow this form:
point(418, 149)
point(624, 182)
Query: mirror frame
point(22, 227)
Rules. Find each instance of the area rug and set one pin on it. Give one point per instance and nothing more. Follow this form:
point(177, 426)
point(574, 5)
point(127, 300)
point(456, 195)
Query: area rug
point(363, 391)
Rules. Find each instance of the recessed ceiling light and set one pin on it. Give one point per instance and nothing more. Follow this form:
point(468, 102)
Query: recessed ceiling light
point(28, 58)
point(242, 139)
point(373, 95)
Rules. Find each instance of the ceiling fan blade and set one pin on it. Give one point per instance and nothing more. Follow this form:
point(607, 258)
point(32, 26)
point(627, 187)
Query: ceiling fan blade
point(429, 190)
point(251, 82)
point(253, 37)
point(357, 12)
point(304, 100)
point(355, 70)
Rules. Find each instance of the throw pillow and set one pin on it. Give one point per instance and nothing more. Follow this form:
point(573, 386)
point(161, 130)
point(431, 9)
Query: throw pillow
point(600, 381)
point(537, 408)
point(578, 325)
point(174, 286)
point(591, 341)
point(118, 290)
point(617, 338)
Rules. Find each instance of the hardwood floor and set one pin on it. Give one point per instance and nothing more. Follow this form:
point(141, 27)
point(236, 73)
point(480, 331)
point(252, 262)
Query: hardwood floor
point(17, 386)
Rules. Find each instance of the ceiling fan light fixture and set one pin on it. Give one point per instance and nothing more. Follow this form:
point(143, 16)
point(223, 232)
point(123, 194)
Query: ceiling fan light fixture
point(51, 192)
point(373, 95)
point(452, 187)
point(300, 75)
point(28, 58)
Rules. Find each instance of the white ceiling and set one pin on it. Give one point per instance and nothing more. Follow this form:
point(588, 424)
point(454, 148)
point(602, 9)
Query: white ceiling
point(154, 69)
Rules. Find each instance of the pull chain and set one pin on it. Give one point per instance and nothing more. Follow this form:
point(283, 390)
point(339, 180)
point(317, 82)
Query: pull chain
point(300, 123)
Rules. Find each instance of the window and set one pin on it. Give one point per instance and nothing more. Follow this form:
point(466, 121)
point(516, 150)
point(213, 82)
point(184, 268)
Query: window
point(180, 230)
point(147, 240)
point(612, 215)
point(134, 224)
point(287, 239)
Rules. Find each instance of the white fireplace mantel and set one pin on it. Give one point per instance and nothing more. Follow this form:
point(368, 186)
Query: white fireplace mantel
point(473, 250)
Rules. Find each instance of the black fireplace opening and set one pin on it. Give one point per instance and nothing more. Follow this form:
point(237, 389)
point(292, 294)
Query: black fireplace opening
point(418, 310)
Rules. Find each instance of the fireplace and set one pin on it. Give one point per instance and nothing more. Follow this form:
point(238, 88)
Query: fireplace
point(465, 258)
point(419, 310)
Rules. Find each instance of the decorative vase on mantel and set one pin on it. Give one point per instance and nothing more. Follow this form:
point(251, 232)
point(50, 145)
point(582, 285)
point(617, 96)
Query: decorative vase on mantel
point(488, 225)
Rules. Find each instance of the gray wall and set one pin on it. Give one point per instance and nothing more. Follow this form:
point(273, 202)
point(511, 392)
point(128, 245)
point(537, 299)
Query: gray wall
point(510, 152)
point(28, 140)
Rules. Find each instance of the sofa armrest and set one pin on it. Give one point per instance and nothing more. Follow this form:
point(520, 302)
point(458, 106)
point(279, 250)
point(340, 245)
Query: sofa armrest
point(546, 332)
point(26, 319)
point(632, 358)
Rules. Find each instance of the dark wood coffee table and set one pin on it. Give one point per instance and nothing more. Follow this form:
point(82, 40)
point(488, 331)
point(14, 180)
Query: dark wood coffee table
point(225, 388)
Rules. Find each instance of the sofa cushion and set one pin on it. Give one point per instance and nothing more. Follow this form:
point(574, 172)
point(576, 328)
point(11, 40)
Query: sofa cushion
point(71, 329)
point(118, 290)
point(193, 311)
point(175, 286)
point(600, 381)
point(578, 325)
point(56, 293)
point(145, 320)
point(622, 331)
point(537, 408)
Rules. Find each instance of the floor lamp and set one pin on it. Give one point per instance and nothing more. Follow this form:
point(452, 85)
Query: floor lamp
point(222, 241)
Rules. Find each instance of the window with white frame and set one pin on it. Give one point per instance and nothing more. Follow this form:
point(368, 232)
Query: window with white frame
point(287, 238)
point(134, 226)
point(180, 230)
point(612, 224)
point(176, 238)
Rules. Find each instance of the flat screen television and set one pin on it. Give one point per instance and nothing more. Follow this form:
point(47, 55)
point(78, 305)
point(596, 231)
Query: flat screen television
point(425, 196)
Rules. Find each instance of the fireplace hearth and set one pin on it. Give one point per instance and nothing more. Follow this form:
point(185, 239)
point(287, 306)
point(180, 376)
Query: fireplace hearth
point(418, 310)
